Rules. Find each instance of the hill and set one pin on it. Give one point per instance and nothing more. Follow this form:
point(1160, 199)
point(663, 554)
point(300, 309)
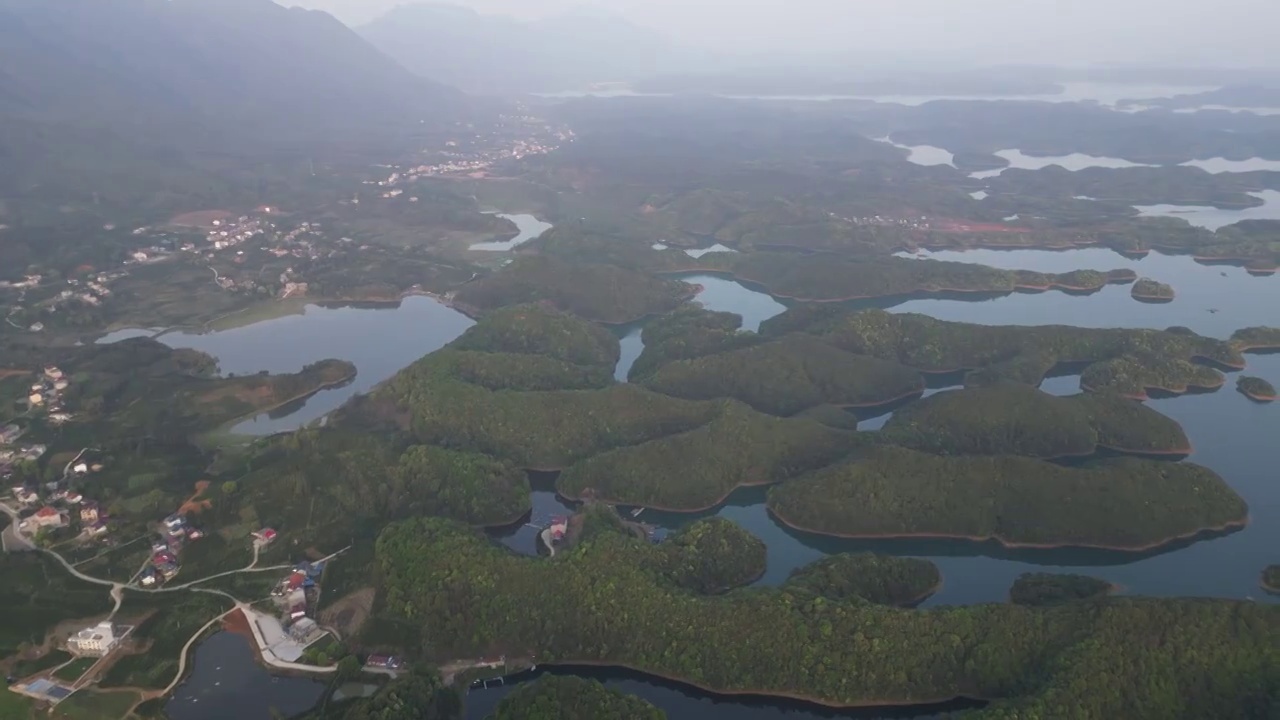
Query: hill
point(123, 94)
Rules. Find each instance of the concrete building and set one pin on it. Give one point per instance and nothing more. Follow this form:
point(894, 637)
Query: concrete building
point(97, 640)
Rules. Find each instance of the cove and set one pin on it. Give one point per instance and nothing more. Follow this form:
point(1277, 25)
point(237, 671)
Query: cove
point(1072, 162)
point(1213, 218)
point(1230, 435)
point(927, 155)
point(225, 682)
point(380, 339)
point(528, 227)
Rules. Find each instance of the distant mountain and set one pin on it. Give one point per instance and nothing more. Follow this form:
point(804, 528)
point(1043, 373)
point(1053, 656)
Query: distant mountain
point(107, 90)
point(495, 54)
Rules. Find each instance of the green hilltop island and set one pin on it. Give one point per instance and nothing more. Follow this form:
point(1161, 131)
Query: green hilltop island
point(1256, 389)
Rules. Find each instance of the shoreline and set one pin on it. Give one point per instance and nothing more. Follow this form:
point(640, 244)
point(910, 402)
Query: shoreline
point(1003, 542)
point(659, 508)
point(227, 426)
point(905, 295)
point(766, 693)
point(1145, 395)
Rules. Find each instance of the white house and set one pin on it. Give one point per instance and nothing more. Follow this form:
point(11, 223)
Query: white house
point(97, 640)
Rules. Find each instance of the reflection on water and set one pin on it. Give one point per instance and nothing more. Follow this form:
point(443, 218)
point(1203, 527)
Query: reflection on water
point(1222, 165)
point(632, 346)
point(379, 340)
point(720, 294)
point(529, 227)
point(1072, 162)
point(1230, 434)
point(927, 155)
point(717, 248)
point(226, 682)
point(1214, 301)
point(1213, 218)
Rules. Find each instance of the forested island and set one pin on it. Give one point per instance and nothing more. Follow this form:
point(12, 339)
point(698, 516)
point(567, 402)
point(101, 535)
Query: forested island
point(1271, 579)
point(1151, 291)
point(867, 577)
point(1043, 589)
point(1008, 418)
point(1256, 389)
point(1019, 502)
point(823, 278)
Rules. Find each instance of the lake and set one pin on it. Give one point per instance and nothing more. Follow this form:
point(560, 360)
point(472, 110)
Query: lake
point(528, 227)
point(1213, 218)
point(380, 340)
point(927, 155)
point(226, 682)
point(1230, 434)
point(1073, 162)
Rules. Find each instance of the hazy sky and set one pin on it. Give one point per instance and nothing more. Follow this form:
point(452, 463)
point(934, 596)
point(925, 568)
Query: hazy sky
point(1226, 32)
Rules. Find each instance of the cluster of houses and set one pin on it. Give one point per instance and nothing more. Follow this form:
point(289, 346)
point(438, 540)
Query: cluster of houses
point(47, 394)
point(294, 596)
point(175, 531)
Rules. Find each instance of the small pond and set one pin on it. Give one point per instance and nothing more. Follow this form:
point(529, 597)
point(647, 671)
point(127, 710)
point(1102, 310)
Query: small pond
point(226, 682)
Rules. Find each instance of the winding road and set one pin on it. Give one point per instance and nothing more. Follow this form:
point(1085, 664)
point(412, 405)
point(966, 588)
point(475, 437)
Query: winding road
point(117, 596)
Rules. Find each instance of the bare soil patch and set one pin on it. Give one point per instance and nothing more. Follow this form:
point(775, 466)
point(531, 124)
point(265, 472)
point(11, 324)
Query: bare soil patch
point(349, 613)
point(194, 504)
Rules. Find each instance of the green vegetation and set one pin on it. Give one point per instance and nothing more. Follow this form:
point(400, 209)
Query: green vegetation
point(419, 695)
point(565, 697)
point(1009, 352)
point(697, 469)
point(878, 579)
point(95, 705)
point(325, 485)
point(689, 332)
point(1042, 589)
point(1256, 389)
point(1134, 375)
point(825, 278)
point(1015, 419)
point(543, 331)
point(607, 603)
point(23, 668)
point(1129, 426)
point(72, 671)
point(476, 489)
point(541, 425)
point(540, 430)
point(1256, 338)
point(712, 556)
point(1271, 579)
point(36, 594)
point(787, 376)
point(1148, 290)
point(1121, 504)
point(605, 293)
point(165, 631)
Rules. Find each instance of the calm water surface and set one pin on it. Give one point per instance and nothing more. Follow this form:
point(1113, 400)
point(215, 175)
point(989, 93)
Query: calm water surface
point(1212, 218)
point(1231, 435)
point(1072, 162)
point(225, 682)
point(529, 227)
point(379, 340)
